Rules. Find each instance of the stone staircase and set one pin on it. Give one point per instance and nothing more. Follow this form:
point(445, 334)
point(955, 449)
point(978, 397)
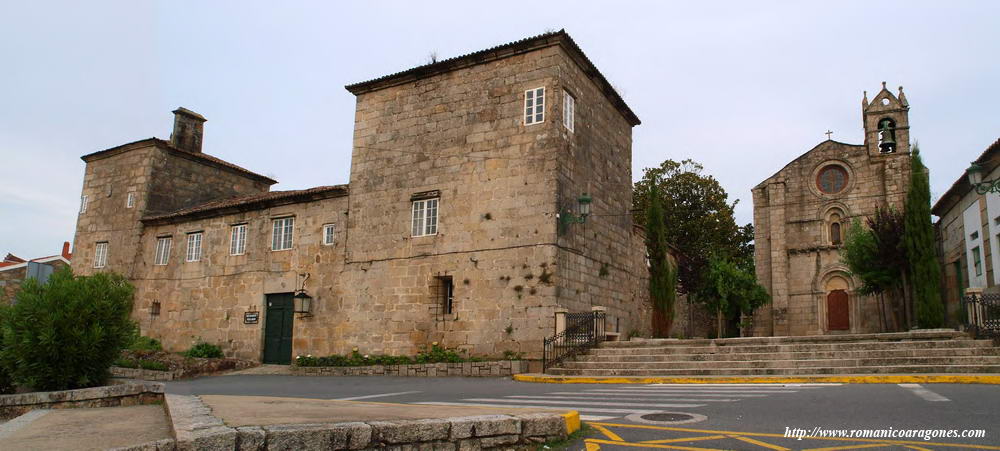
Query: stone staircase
point(926, 351)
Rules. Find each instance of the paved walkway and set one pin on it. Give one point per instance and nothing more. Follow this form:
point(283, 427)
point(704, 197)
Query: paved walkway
point(238, 411)
point(85, 429)
point(279, 370)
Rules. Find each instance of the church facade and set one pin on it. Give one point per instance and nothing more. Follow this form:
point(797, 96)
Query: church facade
point(801, 215)
point(453, 228)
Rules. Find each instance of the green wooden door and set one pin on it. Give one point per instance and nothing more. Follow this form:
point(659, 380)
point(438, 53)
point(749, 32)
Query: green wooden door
point(278, 329)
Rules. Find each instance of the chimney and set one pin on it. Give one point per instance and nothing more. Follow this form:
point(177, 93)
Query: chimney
point(65, 251)
point(188, 128)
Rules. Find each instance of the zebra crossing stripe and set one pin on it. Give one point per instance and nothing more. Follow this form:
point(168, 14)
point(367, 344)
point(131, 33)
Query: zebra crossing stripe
point(608, 404)
point(625, 399)
point(672, 393)
point(508, 406)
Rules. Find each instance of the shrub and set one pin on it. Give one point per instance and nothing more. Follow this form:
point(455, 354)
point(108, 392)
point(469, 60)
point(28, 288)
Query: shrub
point(66, 333)
point(125, 363)
point(6, 382)
point(153, 365)
point(204, 350)
point(436, 354)
point(142, 343)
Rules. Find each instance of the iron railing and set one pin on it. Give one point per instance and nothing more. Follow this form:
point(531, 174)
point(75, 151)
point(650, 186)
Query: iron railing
point(583, 331)
point(982, 314)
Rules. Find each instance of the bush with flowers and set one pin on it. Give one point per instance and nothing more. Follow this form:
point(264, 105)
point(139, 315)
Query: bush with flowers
point(434, 354)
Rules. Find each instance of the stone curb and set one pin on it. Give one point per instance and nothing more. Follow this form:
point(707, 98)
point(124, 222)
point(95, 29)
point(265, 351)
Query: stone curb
point(844, 379)
point(146, 375)
point(497, 368)
point(195, 428)
point(119, 394)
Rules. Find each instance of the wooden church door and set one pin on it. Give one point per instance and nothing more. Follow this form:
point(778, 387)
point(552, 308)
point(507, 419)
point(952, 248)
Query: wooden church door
point(838, 311)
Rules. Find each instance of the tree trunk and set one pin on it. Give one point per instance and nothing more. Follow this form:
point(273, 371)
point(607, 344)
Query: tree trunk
point(907, 302)
point(721, 320)
point(881, 312)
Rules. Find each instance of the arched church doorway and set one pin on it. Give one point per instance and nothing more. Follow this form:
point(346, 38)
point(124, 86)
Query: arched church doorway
point(838, 305)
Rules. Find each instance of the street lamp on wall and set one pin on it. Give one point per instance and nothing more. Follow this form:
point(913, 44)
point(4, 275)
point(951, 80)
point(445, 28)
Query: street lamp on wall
point(975, 173)
point(567, 217)
point(302, 302)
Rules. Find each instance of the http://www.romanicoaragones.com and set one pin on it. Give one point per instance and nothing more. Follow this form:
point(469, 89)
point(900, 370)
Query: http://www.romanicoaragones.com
point(887, 433)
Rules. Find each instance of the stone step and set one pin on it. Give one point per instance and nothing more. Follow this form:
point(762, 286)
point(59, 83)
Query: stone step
point(926, 369)
point(808, 363)
point(799, 347)
point(792, 355)
point(930, 334)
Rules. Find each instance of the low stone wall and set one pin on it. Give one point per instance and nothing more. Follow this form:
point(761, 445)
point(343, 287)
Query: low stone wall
point(195, 428)
point(146, 375)
point(468, 369)
point(119, 394)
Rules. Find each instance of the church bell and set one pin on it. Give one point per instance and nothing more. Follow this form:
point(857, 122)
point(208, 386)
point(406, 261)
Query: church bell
point(888, 143)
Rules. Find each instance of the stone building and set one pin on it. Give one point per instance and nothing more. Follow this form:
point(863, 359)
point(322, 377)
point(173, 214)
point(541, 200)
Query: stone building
point(801, 214)
point(15, 270)
point(454, 227)
point(968, 232)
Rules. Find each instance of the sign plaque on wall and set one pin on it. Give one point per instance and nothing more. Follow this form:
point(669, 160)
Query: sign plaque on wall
point(251, 317)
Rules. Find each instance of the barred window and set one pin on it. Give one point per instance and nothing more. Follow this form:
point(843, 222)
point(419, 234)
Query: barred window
point(534, 106)
point(194, 247)
point(281, 237)
point(425, 217)
point(162, 251)
point(238, 240)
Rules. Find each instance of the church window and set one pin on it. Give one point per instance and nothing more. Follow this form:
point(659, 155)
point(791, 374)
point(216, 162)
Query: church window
point(534, 106)
point(832, 179)
point(835, 236)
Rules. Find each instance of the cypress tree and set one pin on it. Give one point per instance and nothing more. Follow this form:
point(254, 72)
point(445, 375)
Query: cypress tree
point(662, 272)
point(918, 238)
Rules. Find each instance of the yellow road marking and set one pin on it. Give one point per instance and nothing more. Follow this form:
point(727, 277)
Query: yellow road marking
point(918, 448)
point(759, 443)
point(765, 434)
point(686, 439)
point(647, 445)
point(609, 434)
point(572, 419)
point(858, 379)
point(592, 446)
point(835, 448)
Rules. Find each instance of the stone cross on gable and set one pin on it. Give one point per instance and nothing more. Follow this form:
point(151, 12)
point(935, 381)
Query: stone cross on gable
point(828, 134)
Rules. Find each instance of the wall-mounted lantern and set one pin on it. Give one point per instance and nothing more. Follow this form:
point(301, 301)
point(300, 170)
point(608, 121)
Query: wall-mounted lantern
point(975, 173)
point(567, 217)
point(302, 302)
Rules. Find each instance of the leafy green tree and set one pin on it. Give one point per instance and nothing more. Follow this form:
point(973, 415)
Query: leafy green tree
point(873, 253)
point(731, 290)
point(662, 270)
point(698, 218)
point(66, 333)
point(924, 271)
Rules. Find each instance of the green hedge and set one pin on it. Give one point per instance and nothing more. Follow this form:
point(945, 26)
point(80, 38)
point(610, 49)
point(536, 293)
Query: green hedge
point(436, 354)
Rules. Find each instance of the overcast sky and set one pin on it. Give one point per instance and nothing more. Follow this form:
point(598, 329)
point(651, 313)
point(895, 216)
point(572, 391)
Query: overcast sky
point(743, 87)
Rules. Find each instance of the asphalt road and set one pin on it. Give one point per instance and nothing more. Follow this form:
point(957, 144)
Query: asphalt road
point(725, 416)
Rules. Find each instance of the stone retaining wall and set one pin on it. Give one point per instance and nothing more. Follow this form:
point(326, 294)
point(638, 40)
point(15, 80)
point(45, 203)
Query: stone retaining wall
point(195, 428)
point(121, 394)
point(468, 369)
point(146, 375)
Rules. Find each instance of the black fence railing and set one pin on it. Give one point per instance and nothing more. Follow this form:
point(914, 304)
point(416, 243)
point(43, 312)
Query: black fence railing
point(982, 314)
point(583, 331)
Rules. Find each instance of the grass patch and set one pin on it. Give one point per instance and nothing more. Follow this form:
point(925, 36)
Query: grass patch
point(564, 443)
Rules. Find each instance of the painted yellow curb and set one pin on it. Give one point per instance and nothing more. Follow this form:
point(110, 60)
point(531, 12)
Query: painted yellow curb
point(572, 421)
point(850, 379)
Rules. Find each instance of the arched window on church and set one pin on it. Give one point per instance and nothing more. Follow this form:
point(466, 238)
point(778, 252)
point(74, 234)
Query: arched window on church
point(835, 226)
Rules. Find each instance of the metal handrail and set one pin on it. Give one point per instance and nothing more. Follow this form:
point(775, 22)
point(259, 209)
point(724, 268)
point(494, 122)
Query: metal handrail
point(583, 331)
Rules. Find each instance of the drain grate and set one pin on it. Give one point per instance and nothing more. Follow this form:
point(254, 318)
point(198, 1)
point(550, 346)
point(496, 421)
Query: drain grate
point(667, 417)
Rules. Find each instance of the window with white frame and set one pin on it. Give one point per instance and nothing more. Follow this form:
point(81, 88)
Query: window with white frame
point(569, 110)
point(425, 217)
point(534, 106)
point(83, 203)
point(193, 247)
point(238, 239)
point(101, 254)
point(281, 237)
point(162, 250)
point(328, 231)
point(130, 200)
